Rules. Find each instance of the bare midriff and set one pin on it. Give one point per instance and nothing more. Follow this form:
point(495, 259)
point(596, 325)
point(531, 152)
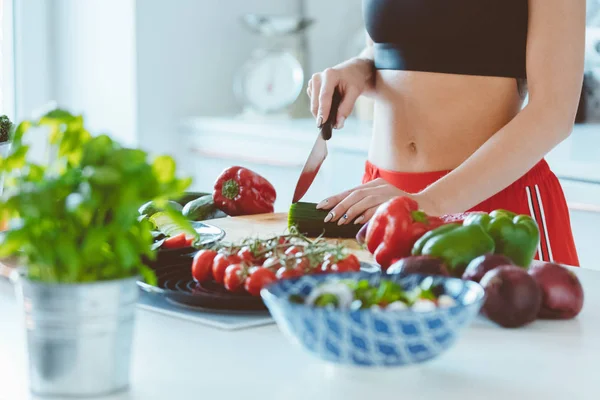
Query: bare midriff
point(433, 122)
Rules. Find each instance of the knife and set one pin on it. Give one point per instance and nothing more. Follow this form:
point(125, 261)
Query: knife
point(318, 152)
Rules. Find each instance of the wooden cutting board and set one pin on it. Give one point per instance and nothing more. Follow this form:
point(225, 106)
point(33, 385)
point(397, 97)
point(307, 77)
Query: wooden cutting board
point(267, 225)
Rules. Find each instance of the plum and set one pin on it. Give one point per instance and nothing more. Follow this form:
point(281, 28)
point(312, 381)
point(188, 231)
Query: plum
point(479, 266)
point(562, 293)
point(513, 297)
point(424, 265)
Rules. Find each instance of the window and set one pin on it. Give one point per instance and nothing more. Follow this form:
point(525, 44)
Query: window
point(6, 59)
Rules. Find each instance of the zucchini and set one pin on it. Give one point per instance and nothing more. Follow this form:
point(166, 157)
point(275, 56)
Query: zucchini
point(189, 196)
point(150, 208)
point(199, 209)
point(309, 222)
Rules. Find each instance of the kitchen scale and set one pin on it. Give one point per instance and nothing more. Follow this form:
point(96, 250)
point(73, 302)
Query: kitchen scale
point(271, 81)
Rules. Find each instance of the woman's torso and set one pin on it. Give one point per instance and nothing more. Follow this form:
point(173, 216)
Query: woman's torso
point(450, 93)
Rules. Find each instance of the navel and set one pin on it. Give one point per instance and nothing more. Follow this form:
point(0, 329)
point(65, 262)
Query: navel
point(412, 147)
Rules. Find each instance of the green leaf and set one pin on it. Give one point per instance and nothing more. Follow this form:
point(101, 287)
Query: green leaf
point(17, 159)
point(148, 276)
point(127, 255)
point(164, 168)
point(11, 242)
point(20, 131)
point(172, 224)
point(68, 257)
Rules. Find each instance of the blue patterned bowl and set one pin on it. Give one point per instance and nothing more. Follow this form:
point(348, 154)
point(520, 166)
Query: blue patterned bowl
point(373, 337)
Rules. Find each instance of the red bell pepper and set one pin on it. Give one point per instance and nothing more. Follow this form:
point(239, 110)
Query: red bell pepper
point(394, 229)
point(240, 191)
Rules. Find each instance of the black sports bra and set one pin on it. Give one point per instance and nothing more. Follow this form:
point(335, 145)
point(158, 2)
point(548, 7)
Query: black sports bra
point(469, 37)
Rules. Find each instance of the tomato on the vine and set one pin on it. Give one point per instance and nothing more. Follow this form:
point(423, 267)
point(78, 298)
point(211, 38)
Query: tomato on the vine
point(302, 263)
point(348, 264)
point(234, 277)
point(202, 265)
point(245, 254)
point(287, 273)
point(272, 263)
point(292, 250)
point(258, 278)
point(326, 266)
point(220, 264)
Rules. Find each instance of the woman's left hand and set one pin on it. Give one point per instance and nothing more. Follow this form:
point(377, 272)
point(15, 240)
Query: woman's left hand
point(359, 204)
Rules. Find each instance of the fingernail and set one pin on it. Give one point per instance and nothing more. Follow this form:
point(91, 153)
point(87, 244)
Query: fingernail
point(322, 204)
point(343, 219)
point(340, 123)
point(329, 216)
point(359, 219)
point(319, 121)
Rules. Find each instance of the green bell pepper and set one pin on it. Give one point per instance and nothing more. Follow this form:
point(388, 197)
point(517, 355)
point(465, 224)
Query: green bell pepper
point(456, 244)
point(516, 236)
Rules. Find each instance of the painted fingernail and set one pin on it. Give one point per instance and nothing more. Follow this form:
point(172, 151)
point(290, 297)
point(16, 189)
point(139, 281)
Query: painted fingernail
point(359, 219)
point(330, 216)
point(340, 123)
point(319, 121)
point(322, 204)
point(343, 220)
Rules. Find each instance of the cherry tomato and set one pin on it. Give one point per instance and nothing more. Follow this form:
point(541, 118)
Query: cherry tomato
point(302, 263)
point(283, 240)
point(202, 265)
point(220, 264)
point(287, 273)
point(348, 264)
point(326, 266)
point(245, 254)
point(175, 242)
point(272, 263)
point(234, 277)
point(293, 250)
point(189, 241)
point(259, 277)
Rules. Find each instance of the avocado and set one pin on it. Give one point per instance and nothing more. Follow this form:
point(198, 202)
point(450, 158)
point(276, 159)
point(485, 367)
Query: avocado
point(199, 209)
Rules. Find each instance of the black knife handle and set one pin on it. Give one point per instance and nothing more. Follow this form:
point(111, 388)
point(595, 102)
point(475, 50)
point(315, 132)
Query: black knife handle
point(327, 128)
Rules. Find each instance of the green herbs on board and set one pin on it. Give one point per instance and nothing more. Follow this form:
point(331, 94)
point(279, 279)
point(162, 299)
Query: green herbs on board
point(75, 219)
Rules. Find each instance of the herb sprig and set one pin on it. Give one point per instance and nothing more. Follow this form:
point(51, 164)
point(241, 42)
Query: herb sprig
point(75, 219)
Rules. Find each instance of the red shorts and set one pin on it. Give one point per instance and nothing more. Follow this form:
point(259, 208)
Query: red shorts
point(538, 193)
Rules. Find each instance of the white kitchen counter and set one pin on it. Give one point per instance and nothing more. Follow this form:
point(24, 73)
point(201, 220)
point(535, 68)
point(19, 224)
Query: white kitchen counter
point(174, 359)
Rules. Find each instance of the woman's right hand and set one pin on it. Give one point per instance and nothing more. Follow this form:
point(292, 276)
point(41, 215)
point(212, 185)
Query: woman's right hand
point(351, 78)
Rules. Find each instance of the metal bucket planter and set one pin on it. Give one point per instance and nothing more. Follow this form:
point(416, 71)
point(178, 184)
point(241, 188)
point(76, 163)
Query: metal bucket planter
point(79, 336)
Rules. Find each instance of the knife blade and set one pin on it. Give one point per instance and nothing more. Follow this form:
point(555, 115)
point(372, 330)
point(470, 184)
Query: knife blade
point(318, 153)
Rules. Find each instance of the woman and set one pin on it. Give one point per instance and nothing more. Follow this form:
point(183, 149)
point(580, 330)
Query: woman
point(449, 80)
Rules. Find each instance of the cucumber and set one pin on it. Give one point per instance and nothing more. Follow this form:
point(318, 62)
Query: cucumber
point(199, 209)
point(168, 227)
point(309, 221)
point(150, 208)
point(189, 196)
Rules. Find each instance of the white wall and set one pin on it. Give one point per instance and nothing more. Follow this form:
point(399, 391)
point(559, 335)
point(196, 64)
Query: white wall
point(337, 23)
point(188, 52)
point(33, 49)
point(137, 68)
point(94, 66)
